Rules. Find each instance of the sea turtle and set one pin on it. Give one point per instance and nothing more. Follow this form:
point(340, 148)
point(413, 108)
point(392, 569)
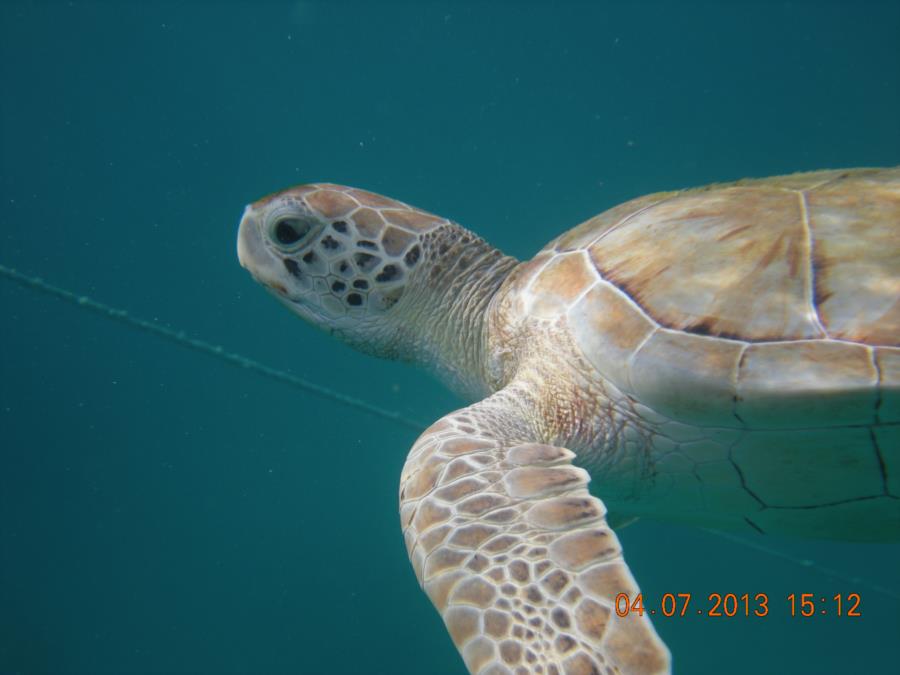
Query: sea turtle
point(727, 356)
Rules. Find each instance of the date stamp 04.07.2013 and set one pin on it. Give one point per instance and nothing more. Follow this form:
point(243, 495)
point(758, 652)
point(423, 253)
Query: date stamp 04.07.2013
point(734, 604)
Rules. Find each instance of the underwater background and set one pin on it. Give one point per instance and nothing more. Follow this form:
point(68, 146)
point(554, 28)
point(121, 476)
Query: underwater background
point(161, 511)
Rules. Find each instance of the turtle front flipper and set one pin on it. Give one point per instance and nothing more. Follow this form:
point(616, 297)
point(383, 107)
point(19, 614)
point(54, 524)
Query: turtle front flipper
point(515, 553)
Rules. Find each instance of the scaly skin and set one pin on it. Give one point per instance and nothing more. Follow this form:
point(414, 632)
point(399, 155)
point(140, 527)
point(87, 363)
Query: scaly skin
point(446, 313)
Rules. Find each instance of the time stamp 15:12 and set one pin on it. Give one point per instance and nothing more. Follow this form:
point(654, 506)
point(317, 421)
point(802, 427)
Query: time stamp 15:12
point(732, 604)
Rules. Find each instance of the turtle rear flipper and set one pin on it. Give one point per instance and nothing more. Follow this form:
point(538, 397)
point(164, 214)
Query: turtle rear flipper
point(515, 553)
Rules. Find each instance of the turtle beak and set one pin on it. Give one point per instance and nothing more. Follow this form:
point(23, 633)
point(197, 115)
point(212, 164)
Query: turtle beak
point(253, 255)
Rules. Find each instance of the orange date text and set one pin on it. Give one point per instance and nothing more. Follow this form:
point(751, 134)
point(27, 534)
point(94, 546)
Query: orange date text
point(735, 604)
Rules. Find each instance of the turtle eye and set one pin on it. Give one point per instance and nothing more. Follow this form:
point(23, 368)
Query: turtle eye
point(290, 232)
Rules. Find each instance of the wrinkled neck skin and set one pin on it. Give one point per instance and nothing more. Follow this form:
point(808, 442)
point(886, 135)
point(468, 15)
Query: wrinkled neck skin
point(441, 322)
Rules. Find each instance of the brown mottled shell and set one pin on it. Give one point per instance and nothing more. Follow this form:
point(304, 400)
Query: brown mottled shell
point(761, 303)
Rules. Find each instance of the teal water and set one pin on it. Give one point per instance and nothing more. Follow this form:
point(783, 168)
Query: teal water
point(161, 512)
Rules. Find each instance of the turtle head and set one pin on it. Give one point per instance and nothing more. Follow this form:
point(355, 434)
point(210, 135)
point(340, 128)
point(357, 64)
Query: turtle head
point(386, 277)
point(340, 258)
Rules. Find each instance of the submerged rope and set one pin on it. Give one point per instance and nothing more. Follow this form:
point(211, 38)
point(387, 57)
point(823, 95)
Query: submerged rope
point(180, 338)
point(231, 358)
point(806, 562)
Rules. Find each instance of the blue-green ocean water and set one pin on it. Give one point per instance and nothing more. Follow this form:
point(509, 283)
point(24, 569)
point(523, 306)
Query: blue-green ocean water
point(163, 512)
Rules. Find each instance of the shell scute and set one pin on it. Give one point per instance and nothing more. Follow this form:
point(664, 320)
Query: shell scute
point(724, 263)
point(854, 223)
point(609, 328)
point(817, 382)
point(564, 278)
point(688, 377)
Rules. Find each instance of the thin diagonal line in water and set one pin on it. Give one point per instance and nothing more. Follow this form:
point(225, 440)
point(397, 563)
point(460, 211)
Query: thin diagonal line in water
point(180, 338)
point(806, 562)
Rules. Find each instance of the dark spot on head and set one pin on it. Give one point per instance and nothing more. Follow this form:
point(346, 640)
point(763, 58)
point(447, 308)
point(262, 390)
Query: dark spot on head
point(344, 266)
point(340, 226)
point(365, 261)
point(330, 243)
point(309, 258)
point(412, 256)
point(388, 273)
point(391, 298)
point(361, 284)
point(354, 299)
point(367, 244)
point(292, 267)
point(338, 286)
